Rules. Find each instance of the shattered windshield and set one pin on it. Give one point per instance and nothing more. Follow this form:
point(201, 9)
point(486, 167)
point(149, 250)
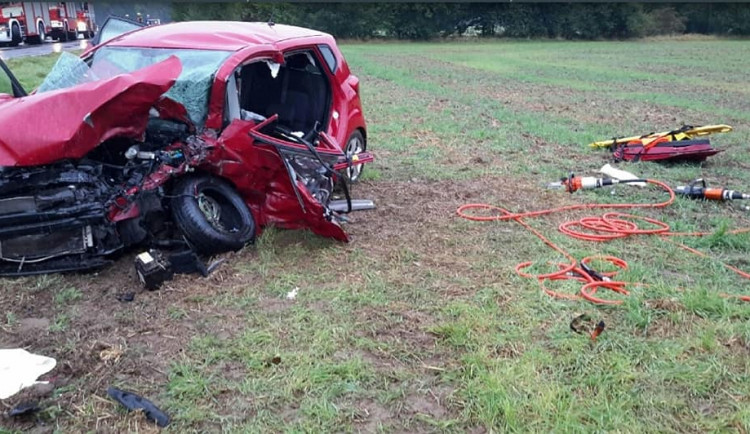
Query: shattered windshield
point(191, 89)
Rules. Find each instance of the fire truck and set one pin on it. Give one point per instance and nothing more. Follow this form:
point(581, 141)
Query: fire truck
point(32, 22)
point(68, 20)
point(23, 21)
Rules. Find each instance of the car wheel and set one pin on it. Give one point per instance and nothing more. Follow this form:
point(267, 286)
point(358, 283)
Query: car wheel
point(15, 35)
point(355, 145)
point(211, 215)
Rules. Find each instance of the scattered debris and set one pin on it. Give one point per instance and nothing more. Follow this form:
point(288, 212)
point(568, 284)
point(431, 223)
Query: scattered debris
point(153, 269)
point(132, 402)
point(581, 324)
point(291, 295)
point(126, 297)
point(20, 369)
point(24, 409)
point(111, 354)
point(584, 324)
point(275, 360)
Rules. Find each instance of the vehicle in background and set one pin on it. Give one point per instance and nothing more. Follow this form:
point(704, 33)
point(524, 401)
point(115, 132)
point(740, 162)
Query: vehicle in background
point(24, 21)
point(68, 20)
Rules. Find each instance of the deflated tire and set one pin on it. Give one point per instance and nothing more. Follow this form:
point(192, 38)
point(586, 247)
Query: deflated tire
point(211, 215)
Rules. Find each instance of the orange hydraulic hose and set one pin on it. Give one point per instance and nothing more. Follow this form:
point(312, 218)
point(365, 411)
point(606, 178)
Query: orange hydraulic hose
point(611, 225)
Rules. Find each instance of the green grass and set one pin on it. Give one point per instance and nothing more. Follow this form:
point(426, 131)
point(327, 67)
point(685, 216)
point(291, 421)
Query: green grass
point(30, 71)
point(421, 324)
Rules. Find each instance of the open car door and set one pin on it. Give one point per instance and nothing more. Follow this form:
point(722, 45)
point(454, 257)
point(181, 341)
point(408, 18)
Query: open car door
point(114, 27)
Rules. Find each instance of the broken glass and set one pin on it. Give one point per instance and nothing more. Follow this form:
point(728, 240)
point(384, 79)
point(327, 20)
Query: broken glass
point(192, 88)
point(69, 70)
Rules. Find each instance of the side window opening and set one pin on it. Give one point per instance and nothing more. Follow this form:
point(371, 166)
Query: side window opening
point(329, 57)
point(5, 84)
point(298, 91)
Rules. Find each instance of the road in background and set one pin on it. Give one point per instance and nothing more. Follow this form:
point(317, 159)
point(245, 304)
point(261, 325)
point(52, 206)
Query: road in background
point(40, 50)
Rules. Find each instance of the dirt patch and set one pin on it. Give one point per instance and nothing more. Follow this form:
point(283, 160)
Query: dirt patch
point(371, 416)
point(663, 327)
point(32, 326)
point(737, 345)
point(665, 304)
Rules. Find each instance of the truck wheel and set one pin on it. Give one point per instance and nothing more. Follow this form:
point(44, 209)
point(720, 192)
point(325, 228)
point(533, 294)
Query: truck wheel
point(15, 35)
point(40, 37)
point(211, 215)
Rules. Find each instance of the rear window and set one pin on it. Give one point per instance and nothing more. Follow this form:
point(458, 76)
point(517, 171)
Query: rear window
point(329, 57)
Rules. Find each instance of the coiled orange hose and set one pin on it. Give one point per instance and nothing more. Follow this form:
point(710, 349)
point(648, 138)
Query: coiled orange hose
point(611, 225)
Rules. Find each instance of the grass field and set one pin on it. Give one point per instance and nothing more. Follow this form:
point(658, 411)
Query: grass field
point(421, 324)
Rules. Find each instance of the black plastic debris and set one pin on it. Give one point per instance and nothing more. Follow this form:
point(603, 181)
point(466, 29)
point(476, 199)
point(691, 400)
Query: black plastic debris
point(24, 409)
point(581, 324)
point(132, 402)
point(126, 297)
point(187, 262)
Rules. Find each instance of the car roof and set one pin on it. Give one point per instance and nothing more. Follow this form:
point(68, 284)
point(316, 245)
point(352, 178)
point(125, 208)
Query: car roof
point(211, 35)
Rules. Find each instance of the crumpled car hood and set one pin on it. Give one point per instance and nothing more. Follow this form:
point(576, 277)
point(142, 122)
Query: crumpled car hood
point(68, 123)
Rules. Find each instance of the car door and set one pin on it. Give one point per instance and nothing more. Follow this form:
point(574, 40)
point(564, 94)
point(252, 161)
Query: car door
point(269, 171)
point(114, 27)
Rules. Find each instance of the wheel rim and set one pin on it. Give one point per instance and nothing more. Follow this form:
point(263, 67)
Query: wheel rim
point(41, 33)
point(354, 147)
point(211, 210)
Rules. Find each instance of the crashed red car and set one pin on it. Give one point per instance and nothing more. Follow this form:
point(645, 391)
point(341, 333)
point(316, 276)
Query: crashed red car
point(199, 133)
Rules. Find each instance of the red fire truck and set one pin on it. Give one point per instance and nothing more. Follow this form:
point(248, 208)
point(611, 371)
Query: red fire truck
point(70, 19)
point(23, 21)
point(34, 21)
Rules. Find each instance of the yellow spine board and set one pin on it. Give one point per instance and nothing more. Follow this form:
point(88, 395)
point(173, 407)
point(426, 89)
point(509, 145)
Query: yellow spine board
point(678, 135)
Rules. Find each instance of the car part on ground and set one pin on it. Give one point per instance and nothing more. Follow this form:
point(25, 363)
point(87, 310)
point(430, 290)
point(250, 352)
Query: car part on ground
point(24, 409)
point(152, 269)
point(134, 402)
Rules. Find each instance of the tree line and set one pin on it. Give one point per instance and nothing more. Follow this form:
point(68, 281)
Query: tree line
point(518, 20)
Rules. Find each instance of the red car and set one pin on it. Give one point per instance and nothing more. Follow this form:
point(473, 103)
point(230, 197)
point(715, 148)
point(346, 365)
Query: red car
point(195, 132)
